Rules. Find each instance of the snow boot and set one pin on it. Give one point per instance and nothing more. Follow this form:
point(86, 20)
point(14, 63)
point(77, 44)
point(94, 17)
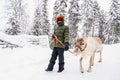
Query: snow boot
point(60, 70)
point(48, 69)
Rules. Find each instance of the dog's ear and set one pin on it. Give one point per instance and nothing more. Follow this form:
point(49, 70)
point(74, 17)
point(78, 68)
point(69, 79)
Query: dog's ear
point(81, 40)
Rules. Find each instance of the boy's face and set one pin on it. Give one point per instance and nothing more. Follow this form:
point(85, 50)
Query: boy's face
point(60, 23)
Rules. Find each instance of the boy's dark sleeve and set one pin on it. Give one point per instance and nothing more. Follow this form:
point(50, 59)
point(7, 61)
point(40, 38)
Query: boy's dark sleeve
point(66, 40)
point(66, 35)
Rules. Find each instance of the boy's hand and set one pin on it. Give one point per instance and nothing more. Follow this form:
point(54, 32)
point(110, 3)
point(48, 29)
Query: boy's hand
point(66, 46)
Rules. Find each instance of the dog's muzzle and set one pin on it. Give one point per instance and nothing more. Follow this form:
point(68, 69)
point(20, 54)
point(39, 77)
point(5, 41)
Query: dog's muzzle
point(77, 49)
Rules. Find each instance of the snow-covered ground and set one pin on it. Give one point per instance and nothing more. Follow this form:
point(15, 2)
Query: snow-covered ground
point(29, 63)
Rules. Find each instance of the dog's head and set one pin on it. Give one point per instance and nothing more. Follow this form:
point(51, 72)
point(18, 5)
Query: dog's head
point(80, 45)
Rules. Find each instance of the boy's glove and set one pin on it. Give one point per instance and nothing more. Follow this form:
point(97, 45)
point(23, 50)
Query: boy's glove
point(66, 46)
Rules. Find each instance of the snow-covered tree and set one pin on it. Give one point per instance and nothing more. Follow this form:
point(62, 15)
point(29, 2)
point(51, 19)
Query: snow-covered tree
point(87, 17)
point(102, 26)
point(45, 22)
point(17, 17)
point(41, 23)
point(99, 21)
point(73, 20)
point(36, 30)
point(60, 7)
point(113, 30)
point(94, 21)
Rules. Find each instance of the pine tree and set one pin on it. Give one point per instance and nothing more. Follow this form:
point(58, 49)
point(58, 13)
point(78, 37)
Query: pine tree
point(41, 23)
point(73, 20)
point(96, 19)
point(99, 21)
point(44, 19)
point(59, 9)
point(17, 17)
point(113, 33)
point(93, 19)
point(87, 17)
point(102, 26)
point(36, 30)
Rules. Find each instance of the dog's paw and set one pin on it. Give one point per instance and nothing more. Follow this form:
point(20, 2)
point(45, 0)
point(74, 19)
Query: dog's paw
point(100, 61)
point(93, 64)
point(82, 71)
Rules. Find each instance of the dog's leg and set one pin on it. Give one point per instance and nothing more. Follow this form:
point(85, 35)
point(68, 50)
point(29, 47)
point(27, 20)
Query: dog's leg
point(90, 64)
point(93, 58)
point(100, 60)
point(81, 67)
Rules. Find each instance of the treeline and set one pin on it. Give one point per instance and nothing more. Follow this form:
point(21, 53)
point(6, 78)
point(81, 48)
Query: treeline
point(82, 16)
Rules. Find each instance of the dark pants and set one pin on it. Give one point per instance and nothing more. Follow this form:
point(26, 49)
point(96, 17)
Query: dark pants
point(60, 53)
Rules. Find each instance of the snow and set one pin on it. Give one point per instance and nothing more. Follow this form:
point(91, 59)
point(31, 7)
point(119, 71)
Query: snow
point(29, 63)
point(25, 40)
point(104, 4)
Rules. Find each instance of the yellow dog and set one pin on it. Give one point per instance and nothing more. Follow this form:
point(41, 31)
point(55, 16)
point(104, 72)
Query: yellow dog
point(88, 46)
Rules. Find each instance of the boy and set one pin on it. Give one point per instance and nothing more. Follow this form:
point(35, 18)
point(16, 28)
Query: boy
point(61, 32)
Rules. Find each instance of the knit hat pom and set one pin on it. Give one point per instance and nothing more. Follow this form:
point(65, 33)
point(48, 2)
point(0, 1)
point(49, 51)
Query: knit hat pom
point(59, 18)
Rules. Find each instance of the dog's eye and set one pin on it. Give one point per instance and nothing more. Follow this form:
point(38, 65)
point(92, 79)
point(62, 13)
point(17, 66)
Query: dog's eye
point(81, 43)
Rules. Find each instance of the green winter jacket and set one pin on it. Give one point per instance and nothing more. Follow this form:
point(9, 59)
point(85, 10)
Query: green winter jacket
point(62, 33)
